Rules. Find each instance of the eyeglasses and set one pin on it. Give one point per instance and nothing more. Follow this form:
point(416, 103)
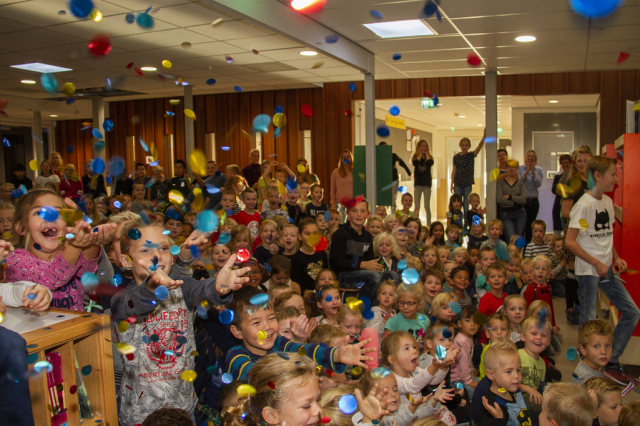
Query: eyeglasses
point(254, 273)
point(407, 304)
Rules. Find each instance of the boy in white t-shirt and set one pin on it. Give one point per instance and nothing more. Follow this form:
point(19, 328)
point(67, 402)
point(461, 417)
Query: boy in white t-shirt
point(590, 237)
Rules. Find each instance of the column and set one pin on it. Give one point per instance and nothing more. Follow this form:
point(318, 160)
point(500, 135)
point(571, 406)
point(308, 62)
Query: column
point(97, 112)
point(188, 123)
point(491, 103)
point(370, 137)
point(36, 143)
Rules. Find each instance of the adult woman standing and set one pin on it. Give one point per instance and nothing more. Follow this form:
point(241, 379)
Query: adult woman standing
point(304, 174)
point(56, 164)
point(565, 164)
point(422, 162)
point(511, 195)
point(531, 175)
point(342, 182)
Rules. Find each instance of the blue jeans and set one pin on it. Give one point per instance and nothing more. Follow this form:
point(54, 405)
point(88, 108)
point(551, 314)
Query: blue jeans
point(15, 400)
point(616, 292)
point(419, 192)
point(513, 223)
point(464, 192)
point(353, 279)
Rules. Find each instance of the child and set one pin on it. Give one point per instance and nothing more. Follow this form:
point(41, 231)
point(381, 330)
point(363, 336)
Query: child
point(265, 251)
point(350, 320)
point(280, 273)
point(58, 267)
point(462, 175)
point(152, 270)
point(565, 404)
point(459, 257)
point(473, 255)
point(385, 248)
point(273, 207)
point(487, 257)
point(454, 214)
point(596, 342)
point(430, 258)
point(514, 283)
point(409, 300)
point(436, 234)
point(559, 267)
point(294, 209)
point(494, 298)
point(609, 398)
point(385, 309)
point(460, 281)
point(375, 225)
point(46, 176)
point(70, 186)
point(390, 223)
point(90, 208)
point(326, 277)
point(305, 189)
point(323, 304)
point(538, 246)
point(290, 240)
point(139, 202)
point(316, 207)
point(336, 218)
point(476, 236)
point(307, 263)
point(453, 234)
point(173, 223)
point(497, 327)
point(407, 201)
point(432, 284)
point(526, 274)
point(494, 241)
point(246, 326)
point(186, 230)
point(462, 368)
point(503, 402)
point(540, 290)
point(189, 218)
point(444, 253)
point(220, 253)
point(515, 308)
point(240, 239)
point(249, 217)
point(536, 338)
point(6, 222)
point(474, 210)
point(440, 309)
point(597, 260)
point(549, 238)
point(381, 211)
point(19, 178)
point(414, 227)
point(630, 414)
point(401, 237)
point(289, 299)
point(447, 267)
point(323, 226)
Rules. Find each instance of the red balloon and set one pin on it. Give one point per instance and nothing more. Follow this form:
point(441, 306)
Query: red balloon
point(100, 44)
point(473, 59)
point(306, 110)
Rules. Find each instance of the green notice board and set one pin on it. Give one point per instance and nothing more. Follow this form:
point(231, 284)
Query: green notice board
point(384, 174)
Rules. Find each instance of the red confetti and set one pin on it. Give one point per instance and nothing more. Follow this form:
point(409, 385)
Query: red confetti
point(243, 255)
point(324, 420)
point(322, 245)
point(428, 94)
point(129, 357)
point(73, 389)
point(306, 110)
point(129, 387)
point(348, 202)
point(100, 44)
point(473, 59)
point(348, 112)
point(139, 71)
point(229, 59)
point(329, 372)
point(271, 385)
point(132, 319)
point(255, 52)
point(623, 57)
point(129, 65)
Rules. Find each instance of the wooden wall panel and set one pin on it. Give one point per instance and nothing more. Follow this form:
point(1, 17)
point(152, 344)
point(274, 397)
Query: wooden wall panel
point(68, 133)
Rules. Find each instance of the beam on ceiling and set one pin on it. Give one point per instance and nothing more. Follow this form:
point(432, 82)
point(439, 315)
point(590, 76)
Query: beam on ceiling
point(284, 20)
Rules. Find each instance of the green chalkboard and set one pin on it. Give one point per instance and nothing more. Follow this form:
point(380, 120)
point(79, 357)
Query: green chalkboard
point(384, 174)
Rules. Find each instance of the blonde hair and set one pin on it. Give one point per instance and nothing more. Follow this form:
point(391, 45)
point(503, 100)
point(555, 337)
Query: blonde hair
point(325, 333)
point(600, 386)
point(534, 322)
point(496, 222)
point(510, 298)
point(388, 218)
point(499, 347)
point(286, 313)
point(599, 164)
point(374, 218)
point(568, 404)
point(459, 250)
point(282, 298)
point(417, 153)
point(269, 222)
point(448, 250)
point(441, 299)
point(597, 327)
point(274, 379)
point(391, 345)
point(330, 403)
point(413, 291)
point(415, 263)
point(341, 168)
point(536, 306)
point(527, 261)
point(345, 310)
point(395, 251)
point(542, 258)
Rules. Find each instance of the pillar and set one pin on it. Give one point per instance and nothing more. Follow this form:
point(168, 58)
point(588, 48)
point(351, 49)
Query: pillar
point(189, 139)
point(36, 143)
point(491, 128)
point(370, 137)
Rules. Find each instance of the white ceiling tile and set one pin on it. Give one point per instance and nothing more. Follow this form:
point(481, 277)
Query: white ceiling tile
point(34, 39)
point(390, 46)
point(116, 26)
point(215, 48)
point(191, 14)
point(265, 43)
point(231, 30)
point(307, 64)
point(159, 39)
point(289, 54)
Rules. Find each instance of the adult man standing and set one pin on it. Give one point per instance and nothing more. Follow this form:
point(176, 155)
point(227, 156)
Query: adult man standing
point(252, 172)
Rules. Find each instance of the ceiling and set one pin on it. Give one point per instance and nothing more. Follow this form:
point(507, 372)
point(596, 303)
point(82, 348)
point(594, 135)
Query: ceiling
point(469, 112)
point(34, 31)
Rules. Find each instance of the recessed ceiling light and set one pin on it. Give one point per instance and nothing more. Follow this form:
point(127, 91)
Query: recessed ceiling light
point(53, 115)
point(27, 81)
point(148, 69)
point(407, 28)
point(525, 39)
point(462, 116)
point(480, 125)
point(308, 53)
point(553, 102)
point(38, 67)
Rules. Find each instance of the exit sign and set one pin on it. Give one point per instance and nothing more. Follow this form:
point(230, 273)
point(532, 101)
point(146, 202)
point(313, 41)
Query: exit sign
point(427, 103)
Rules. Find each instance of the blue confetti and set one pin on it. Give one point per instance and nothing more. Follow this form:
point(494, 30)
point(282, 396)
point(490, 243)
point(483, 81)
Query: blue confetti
point(237, 88)
point(69, 236)
point(367, 314)
point(477, 220)
point(402, 264)
point(169, 352)
point(259, 299)
point(6, 142)
point(278, 109)
point(394, 110)
point(571, 354)
point(81, 8)
point(430, 7)
point(107, 125)
point(195, 252)
point(144, 20)
point(459, 385)
point(166, 232)
point(329, 298)
point(170, 114)
point(162, 292)
point(130, 18)
point(490, 139)
point(348, 404)
point(96, 133)
point(227, 378)
point(455, 307)
point(352, 86)
point(376, 14)
point(70, 101)
point(383, 131)
point(32, 296)
point(332, 38)
point(403, 189)
point(224, 237)
point(206, 221)
point(441, 352)
point(89, 279)
point(521, 242)
point(594, 9)
point(410, 276)
point(327, 216)
point(49, 214)
point(202, 312)
point(396, 56)
point(36, 246)
point(97, 165)
point(134, 234)
point(226, 316)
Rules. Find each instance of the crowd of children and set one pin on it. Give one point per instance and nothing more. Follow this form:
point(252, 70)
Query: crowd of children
point(290, 314)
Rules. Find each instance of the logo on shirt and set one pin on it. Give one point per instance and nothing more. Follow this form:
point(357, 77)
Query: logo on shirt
point(602, 220)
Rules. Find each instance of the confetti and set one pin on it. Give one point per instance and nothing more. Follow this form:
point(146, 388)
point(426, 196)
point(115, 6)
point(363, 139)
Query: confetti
point(473, 59)
point(332, 38)
point(244, 390)
point(352, 86)
point(259, 299)
point(348, 404)
point(49, 214)
point(394, 110)
point(89, 279)
point(376, 14)
point(100, 45)
point(162, 292)
point(226, 316)
point(188, 375)
point(380, 373)
point(81, 8)
point(383, 131)
point(49, 82)
point(571, 354)
point(306, 110)
point(39, 366)
point(455, 307)
point(237, 88)
point(441, 352)
point(211, 81)
point(410, 276)
point(396, 56)
point(86, 370)
point(144, 20)
point(243, 255)
point(134, 234)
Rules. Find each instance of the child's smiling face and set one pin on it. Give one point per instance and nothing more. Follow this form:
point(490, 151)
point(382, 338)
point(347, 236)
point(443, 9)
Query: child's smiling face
point(330, 302)
point(139, 251)
point(432, 286)
point(174, 227)
point(220, 254)
point(325, 278)
point(290, 237)
point(385, 247)
point(45, 234)
point(429, 257)
point(375, 228)
point(352, 326)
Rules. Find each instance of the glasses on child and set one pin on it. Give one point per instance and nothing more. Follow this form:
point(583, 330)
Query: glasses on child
point(407, 304)
point(254, 273)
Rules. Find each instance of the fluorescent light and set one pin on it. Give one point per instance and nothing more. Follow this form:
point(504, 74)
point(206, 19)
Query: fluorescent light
point(462, 116)
point(553, 102)
point(27, 81)
point(53, 115)
point(38, 67)
point(480, 125)
point(407, 28)
point(525, 39)
point(308, 53)
point(148, 69)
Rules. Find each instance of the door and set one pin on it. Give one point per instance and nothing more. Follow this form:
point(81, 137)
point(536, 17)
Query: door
point(549, 146)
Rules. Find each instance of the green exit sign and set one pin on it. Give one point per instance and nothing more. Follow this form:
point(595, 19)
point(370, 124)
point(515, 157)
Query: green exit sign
point(427, 103)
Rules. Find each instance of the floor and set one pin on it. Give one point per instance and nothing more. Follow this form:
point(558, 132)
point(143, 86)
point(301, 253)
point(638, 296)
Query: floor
point(570, 338)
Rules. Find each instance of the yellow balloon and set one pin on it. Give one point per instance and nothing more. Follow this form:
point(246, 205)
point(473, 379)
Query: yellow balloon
point(68, 89)
point(166, 64)
point(125, 348)
point(123, 326)
point(188, 375)
point(279, 120)
point(244, 390)
point(198, 162)
point(33, 165)
point(493, 175)
point(190, 114)
point(176, 196)
point(301, 168)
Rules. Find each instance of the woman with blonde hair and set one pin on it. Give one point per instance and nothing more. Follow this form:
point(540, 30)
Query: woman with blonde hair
point(342, 182)
point(531, 175)
point(422, 163)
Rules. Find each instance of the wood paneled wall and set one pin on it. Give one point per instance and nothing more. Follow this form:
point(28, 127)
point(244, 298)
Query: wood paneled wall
point(229, 116)
point(68, 134)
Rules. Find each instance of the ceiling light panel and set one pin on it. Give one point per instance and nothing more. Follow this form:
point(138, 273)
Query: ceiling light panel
point(407, 28)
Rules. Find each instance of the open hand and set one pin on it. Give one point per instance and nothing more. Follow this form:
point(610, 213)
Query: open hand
point(230, 279)
point(158, 277)
point(354, 354)
point(494, 409)
point(442, 395)
point(301, 328)
point(371, 406)
point(42, 300)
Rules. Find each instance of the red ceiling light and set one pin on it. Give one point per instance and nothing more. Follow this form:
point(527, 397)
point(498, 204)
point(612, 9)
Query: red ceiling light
point(308, 6)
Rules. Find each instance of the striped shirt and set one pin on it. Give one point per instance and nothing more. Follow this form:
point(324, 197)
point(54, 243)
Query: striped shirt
point(533, 250)
point(517, 192)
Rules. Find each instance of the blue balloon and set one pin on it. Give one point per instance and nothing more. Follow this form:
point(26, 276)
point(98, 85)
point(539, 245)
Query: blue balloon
point(162, 292)
point(145, 20)
point(107, 125)
point(226, 316)
point(332, 38)
point(352, 86)
point(278, 109)
point(348, 404)
point(49, 82)
point(97, 165)
point(402, 264)
point(396, 56)
point(96, 133)
point(130, 18)
point(49, 214)
point(211, 81)
point(594, 9)
point(115, 166)
point(81, 8)
point(394, 110)
point(206, 221)
point(410, 276)
point(261, 123)
point(259, 299)
point(383, 131)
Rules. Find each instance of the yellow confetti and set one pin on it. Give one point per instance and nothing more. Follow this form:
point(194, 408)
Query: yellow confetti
point(280, 120)
point(493, 175)
point(513, 163)
point(176, 196)
point(584, 224)
point(317, 65)
point(301, 351)
point(356, 306)
point(190, 114)
point(34, 165)
point(123, 326)
point(188, 375)
point(216, 22)
point(74, 177)
point(632, 271)
point(502, 390)
point(262, 335)
point(167, 64)
point(301, 168)
point(7, 236)
point(410, 398)
point(313, 239)
point(244, 390)
point(68, 89)
point(636, 107)
point(125, 348)
point(198, 162)
point(318, 369)
point(198, 200)
point(194, 353)
point(336, 284)
point(1, 317)
point(356, 371)
point(174, 101)
point(204, 303)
